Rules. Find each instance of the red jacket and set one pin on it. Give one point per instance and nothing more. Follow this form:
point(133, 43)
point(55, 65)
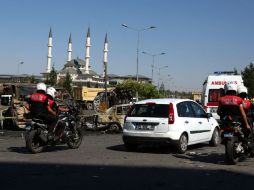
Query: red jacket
point(229, 105)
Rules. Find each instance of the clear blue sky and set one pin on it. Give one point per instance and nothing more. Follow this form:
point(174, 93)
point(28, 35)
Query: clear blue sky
point(198, 36)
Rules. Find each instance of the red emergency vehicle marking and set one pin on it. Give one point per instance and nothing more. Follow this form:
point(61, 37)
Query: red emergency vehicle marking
point(212, 104)
point(222, 82)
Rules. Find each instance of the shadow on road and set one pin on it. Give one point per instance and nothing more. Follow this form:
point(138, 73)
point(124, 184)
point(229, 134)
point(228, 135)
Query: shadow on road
point(60, 176)
point(23, 150)
point(145, 149)
point(214, 158)
point(156, 149)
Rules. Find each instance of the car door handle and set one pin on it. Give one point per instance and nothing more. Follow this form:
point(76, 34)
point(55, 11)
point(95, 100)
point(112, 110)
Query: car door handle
point(200, 122)
point(186, 122)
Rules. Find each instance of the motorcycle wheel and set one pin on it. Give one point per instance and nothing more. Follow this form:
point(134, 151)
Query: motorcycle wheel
point(34, 143)
point(231, 156)
point(75, 139)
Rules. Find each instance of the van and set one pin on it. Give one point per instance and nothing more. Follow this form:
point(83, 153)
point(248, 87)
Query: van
point(213, 89)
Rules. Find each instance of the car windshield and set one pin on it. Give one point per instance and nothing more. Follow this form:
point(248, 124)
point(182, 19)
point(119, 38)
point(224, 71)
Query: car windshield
point(150, 110)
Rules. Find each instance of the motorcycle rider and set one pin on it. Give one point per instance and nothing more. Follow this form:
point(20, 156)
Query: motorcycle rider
point(242, 92)
point(51, 93)
point(39, 106)
point(233, 106)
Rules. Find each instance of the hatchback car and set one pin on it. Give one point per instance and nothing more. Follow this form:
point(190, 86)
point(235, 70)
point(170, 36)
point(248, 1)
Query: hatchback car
point(180, 122)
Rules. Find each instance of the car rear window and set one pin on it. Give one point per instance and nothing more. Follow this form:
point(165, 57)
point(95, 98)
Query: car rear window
point(149, 110)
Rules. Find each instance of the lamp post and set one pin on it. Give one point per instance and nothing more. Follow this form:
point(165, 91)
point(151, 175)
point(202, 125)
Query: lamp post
point(160, 74)
point(138, 30)
point(153, 55)
point(20, 63)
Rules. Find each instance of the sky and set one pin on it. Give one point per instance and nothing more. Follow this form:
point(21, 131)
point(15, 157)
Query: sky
point(198, 37)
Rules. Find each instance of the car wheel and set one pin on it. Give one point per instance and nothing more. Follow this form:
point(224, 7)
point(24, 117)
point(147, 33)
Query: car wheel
point(215, 140)
point(89, 106)
point(114, 128)
point(182, 144)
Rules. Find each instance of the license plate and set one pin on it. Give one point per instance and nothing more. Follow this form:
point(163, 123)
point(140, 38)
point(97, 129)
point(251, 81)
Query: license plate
point(228, 134)
point(144, 127)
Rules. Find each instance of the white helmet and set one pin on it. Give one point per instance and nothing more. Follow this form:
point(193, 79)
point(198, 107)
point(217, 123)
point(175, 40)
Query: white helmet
point(242, 89)
point(41, 86)
point(51, 91)
point(230, 87)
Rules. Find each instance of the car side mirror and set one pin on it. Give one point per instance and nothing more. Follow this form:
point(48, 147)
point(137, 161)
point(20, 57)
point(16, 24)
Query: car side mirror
point(209, 115)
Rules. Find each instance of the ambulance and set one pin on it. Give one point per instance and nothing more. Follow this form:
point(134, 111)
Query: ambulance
point(213, 89)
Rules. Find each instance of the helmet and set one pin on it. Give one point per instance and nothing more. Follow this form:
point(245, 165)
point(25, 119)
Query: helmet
point(41, 86)
point(242, 89)
point(230, 87)
point(51, 91)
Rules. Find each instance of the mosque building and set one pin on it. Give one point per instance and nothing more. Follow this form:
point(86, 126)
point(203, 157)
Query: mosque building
point(79, 69)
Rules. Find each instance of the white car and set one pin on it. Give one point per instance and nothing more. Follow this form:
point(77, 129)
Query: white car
point(180, 122)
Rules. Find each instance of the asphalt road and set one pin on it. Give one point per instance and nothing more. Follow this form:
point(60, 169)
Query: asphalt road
point(102, 162)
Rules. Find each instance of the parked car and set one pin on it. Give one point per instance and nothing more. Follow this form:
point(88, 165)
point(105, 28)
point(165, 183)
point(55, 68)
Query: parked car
point(180, 122)
point(110, 120)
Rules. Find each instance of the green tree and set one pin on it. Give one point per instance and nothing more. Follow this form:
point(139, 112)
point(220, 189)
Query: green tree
point(67, 83)
point(144, 90)
point(248, 78)
point(52, 77)
point(32, 79)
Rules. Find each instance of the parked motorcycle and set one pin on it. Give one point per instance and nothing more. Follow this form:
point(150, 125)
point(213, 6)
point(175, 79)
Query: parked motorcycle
point(68, 131)
point(237, 145)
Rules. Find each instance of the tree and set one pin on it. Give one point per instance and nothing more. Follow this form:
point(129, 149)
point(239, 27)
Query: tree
point(248, 78)
point(32, 79)
point(144, 90)
point(67, 83)
point(235, 71)
point(52, 77)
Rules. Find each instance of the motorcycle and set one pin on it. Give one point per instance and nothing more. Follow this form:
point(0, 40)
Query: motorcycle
point(67, 131)
point(237, 145)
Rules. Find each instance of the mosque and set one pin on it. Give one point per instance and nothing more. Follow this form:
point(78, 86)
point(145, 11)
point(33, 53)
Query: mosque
point(80, 70)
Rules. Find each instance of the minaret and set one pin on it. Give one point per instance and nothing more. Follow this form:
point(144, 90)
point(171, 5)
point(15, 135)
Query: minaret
point(49, 61)
point(105, 62)
point(69, 50)
point(105, 55)
point(87, 56)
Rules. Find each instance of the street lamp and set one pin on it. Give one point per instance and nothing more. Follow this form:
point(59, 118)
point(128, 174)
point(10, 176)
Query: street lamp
point(20, 63)
point(138, 30)
point(153, 55)
point(160, 74)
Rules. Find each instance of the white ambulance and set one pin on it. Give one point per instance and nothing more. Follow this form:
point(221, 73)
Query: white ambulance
point(213, 89)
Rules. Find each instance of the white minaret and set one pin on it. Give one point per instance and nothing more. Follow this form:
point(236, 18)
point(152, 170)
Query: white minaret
point(49, 61)
point(105, 55)
point(105, 61)
point(87, 56)
point(69, 50)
